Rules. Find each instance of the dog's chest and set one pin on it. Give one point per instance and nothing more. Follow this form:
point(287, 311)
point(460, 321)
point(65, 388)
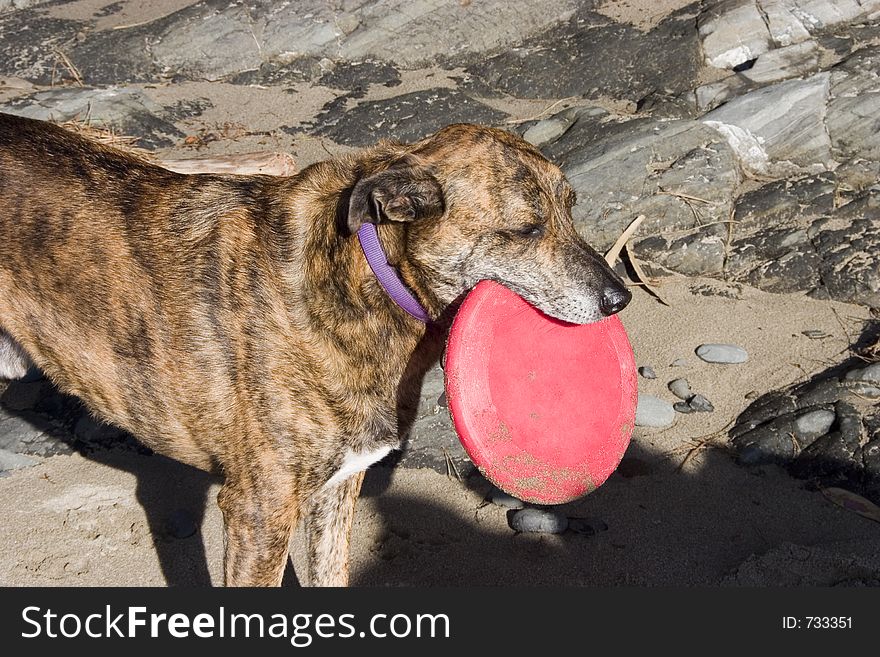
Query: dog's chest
point(355, 461)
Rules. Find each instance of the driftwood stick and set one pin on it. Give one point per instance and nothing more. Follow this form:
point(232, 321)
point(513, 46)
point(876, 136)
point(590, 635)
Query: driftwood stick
point(270, 164)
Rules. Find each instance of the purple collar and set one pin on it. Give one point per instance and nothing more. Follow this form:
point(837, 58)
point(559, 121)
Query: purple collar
point(387, 275)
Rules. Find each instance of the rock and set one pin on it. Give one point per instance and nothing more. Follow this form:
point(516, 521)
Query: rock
point(781, 439)
point(811, 425)
point(181, 524)
point(870, 456)
point(848, 244)
point(733, 35)
point(681, 389)
point(505, 501)
point(682, 407)
point(212, 40)
point(869, 374)
point(854, 106)
point(653, 412)
point(549, 130)
point(12, 461)
point(8, 5)
point(591, 56)
point(779, 129)
point(652, 168)
point(538, 521)
point(407, 118)
point(734, 32)
point(432, 441)
point(125, 111)
point(29, 43)
point(647, 372)
point(722, 353)
point(700, 404)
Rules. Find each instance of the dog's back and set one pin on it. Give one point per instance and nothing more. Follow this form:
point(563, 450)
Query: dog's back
point(123, 280)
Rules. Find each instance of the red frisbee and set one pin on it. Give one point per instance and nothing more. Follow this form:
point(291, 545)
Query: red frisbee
point(544, 409)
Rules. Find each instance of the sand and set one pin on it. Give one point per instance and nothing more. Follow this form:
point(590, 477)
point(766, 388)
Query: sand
point(679, 511)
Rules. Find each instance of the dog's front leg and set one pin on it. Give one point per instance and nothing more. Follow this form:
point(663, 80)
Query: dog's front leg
point(259, 520)
point(328, 529)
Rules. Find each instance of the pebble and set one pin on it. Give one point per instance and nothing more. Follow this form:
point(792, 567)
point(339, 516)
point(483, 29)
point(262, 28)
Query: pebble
point(505, 501)
point(654, 412)
point(539, 521)
point(181, 524)
point(647, 372)
point(681, 389)
point(727, 354)
point(814, 424)
point(682, 407)
point(700, 404)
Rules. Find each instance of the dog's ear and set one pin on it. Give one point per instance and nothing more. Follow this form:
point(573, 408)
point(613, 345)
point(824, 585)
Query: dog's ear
point(403, 192)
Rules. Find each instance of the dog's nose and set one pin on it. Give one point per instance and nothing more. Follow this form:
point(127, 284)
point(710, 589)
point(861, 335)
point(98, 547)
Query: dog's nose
point(614, 299)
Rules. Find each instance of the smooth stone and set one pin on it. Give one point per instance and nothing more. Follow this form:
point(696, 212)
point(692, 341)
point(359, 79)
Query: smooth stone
point(700, 404)
point(549, 130)
point(654, 412)
point(866, 390)
point(505, 501)
point(870, 374)
point(681, 389)
point(727, 354)
point(647, 372)
point(814, 424)
point(538, 521)
point(682, 407)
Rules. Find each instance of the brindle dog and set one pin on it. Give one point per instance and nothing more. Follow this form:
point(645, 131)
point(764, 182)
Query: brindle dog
point(233, 323)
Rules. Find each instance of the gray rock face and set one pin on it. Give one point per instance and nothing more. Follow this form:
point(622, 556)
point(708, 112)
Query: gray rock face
point(654, 412)
point(406, 118)
point(126, 111)
point(726, 354)
point(538, 521)
point(591, 56)
point(778, 129)
point(9, 5)
point(12, 461)
point(855, 105)
point(654, 169)
point(433, 442)
point(734, 32)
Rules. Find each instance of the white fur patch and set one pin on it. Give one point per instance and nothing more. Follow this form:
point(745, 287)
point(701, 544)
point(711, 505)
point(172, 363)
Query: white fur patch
point(355, 462)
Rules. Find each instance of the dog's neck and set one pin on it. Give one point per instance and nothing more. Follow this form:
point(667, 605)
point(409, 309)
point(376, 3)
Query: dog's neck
point(387, 276)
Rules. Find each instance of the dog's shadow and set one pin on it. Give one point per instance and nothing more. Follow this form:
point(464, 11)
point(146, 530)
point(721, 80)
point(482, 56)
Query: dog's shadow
point(174, 496)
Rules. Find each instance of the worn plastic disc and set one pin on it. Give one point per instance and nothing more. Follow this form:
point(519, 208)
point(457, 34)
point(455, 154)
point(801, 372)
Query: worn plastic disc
point(545, 409)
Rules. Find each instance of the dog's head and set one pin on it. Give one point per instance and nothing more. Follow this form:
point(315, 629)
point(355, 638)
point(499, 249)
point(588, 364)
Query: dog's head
point(474, 203)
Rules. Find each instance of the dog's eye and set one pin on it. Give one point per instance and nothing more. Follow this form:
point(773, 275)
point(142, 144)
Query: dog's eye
point(533, 230)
